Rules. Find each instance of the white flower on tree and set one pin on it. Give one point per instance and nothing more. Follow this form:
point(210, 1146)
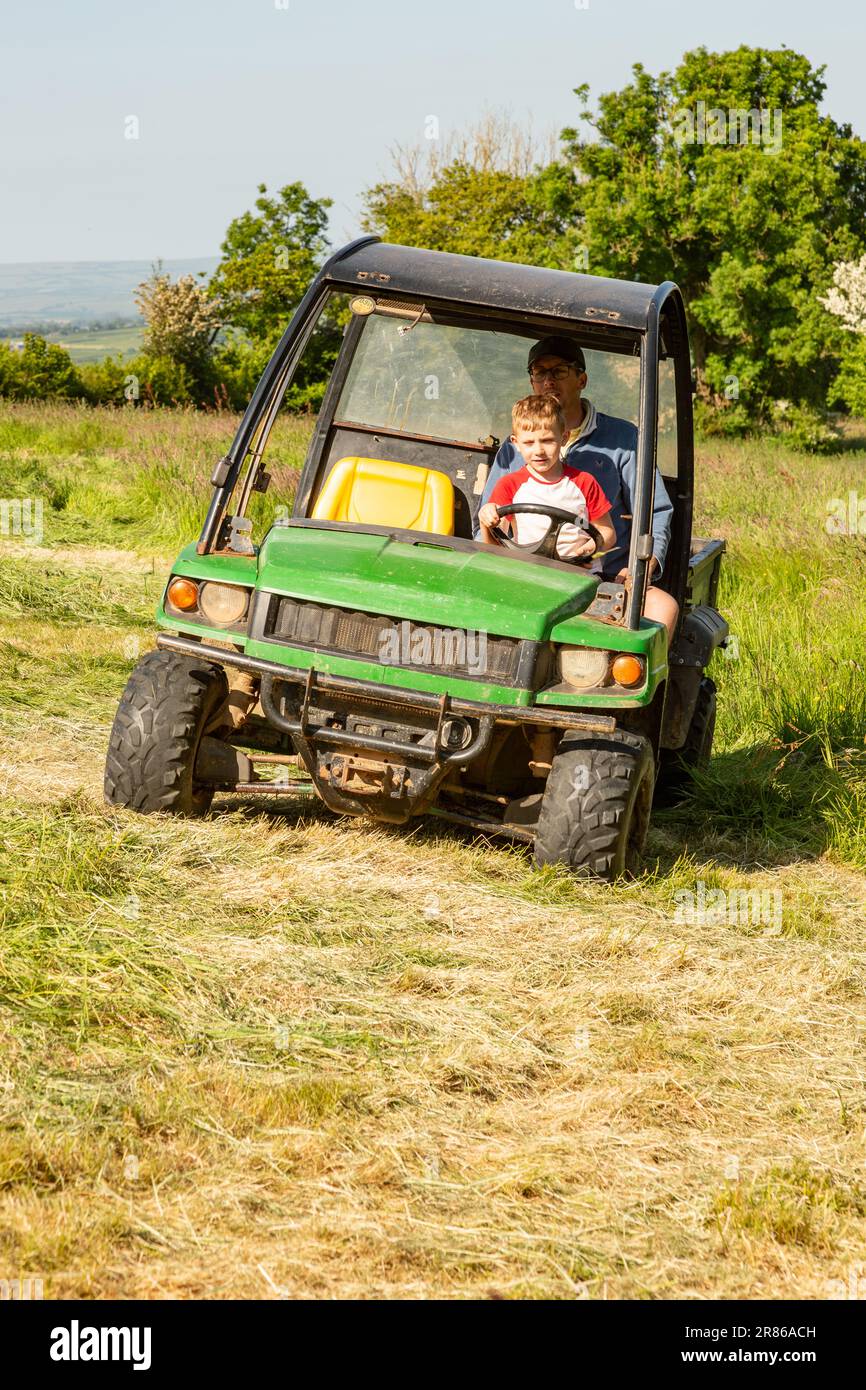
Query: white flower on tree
point(181, 320)
point(847, 298)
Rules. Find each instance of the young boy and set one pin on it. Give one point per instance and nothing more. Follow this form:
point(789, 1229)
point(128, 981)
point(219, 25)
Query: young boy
point(538, 433)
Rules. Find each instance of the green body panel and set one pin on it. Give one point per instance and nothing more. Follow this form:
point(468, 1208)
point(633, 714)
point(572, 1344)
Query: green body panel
point(225, 569)
point(197, 629)
point(479, 591)
point(649, 641)
point(584, 632)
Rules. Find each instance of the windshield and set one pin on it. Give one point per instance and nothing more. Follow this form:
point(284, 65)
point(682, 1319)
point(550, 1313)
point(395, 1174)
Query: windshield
point(460, 383)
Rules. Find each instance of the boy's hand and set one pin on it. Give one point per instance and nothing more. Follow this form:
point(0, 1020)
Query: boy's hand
point(586, 546)
point(488, 515)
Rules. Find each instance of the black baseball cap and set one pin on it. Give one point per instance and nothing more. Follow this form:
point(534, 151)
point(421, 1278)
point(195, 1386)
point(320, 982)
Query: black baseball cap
point(556, 346)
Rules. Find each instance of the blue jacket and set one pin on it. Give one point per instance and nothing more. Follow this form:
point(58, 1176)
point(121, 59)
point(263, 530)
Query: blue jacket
point(608, 455)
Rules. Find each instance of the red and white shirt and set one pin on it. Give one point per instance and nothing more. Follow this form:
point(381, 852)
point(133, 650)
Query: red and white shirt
point(575, 492)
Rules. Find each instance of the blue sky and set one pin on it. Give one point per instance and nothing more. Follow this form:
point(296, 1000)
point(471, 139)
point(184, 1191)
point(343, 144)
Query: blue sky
point(230, 93)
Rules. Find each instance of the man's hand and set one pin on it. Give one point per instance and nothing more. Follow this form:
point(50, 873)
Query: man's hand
point(651, 569)
point(488, 515)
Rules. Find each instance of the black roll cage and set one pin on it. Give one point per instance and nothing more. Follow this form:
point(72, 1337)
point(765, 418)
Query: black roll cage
point(598, 311)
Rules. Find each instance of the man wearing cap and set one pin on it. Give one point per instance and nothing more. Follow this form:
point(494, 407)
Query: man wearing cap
point(606, 448)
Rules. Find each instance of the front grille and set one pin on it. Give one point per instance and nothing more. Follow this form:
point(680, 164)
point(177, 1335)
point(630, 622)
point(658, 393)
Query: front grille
point(393, 641)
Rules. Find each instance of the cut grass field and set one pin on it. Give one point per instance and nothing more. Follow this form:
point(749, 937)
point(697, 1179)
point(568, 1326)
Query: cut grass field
point(95, 344)
point(276, 1052)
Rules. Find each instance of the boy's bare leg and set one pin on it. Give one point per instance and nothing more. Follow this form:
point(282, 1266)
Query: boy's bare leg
point(658, 604)
point(661, 608)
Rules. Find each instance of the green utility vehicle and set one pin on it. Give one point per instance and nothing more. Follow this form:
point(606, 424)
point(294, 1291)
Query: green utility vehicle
point(367, 643)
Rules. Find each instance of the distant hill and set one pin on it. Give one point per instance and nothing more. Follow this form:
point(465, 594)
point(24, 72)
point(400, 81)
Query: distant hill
point(39, 294)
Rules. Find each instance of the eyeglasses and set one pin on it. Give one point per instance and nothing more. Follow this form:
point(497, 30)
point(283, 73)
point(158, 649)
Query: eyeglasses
point(555, 373)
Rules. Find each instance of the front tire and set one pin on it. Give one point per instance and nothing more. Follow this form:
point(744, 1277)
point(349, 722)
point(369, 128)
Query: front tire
point(596, 807)
point(169, 703)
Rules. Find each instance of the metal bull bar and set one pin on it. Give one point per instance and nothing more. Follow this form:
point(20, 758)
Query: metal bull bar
point(438, 753)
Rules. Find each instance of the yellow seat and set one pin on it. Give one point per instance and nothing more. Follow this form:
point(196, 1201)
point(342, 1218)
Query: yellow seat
point(377, 492)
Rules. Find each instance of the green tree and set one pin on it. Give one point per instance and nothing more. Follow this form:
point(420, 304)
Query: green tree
point(268, 260)
point(849, 386)
point(180, 319)
point(144, 380)
point(40, 371)
point(489, 194)
point(105, 382)
point(748, 227)
point(491, 212)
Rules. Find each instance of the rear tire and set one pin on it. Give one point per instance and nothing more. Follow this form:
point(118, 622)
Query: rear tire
point(169, 703)
point(596, 807)
point(679, 764)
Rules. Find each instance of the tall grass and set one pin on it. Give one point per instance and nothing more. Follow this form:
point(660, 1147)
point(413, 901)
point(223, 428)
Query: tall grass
point(791, 734)
point(134, 478)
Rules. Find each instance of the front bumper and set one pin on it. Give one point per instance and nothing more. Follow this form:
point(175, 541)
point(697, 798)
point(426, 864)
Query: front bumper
point(542, 716)
point(377, 749)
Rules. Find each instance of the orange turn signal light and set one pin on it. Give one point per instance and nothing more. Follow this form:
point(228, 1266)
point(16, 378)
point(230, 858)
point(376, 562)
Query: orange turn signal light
point(627, 670)
point(182, 594)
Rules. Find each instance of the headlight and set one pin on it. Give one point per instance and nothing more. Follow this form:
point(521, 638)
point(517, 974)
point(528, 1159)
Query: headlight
point(222, 604)
point(627, 669)
point(182, 593)
point(587, 668)
point(583, 667)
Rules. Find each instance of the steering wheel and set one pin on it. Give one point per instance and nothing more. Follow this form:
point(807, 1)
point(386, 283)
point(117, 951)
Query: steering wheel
point(547, 545)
